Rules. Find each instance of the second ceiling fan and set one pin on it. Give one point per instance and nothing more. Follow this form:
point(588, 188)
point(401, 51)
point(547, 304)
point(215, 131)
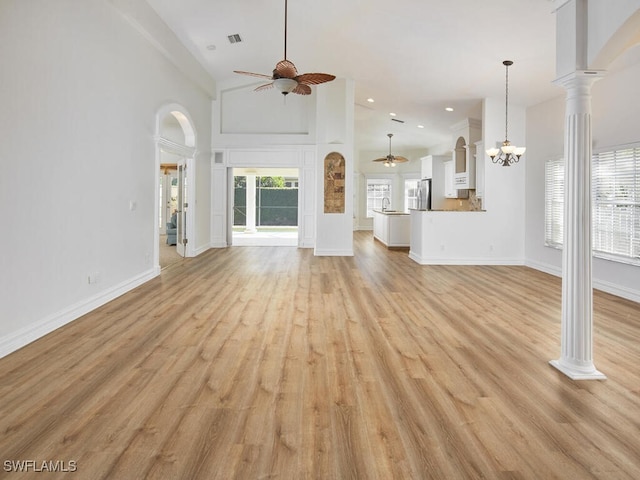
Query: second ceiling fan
point(285, 76)
point(391, 160)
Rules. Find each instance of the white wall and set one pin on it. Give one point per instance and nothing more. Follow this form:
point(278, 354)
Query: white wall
point(244, 118)
point(334, 231)
point(80, 91)
point(309, 127)
point(262, 129)
point(615, 120)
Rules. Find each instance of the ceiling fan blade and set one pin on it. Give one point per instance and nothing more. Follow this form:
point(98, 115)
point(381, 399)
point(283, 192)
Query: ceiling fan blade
point(383, 159)
point(314, 78)
point(251, 74)
point(285, 69)
point(400, 159)
point(266, 86)
point(302, 89)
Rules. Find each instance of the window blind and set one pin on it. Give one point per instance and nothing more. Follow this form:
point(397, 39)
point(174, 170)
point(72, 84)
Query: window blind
point(615, 204)
point(554, 202)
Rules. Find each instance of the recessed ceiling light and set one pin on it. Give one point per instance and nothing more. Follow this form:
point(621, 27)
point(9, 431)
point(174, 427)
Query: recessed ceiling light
point(449, 109)
point(392, 114)
point(211, 47)
point(370, 100)
point(420, 126)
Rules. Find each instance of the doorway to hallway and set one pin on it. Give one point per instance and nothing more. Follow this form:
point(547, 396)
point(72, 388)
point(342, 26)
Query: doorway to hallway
point(175, 153)
point(265, 207)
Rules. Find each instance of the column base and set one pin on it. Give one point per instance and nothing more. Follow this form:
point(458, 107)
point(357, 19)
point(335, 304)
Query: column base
point(575, 374)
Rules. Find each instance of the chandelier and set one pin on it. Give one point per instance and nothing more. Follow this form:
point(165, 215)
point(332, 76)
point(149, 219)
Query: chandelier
point(507, 154)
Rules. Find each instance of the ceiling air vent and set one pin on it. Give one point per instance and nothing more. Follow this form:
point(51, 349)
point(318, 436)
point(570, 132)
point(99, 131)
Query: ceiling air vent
point(235, 38)
point(396, 120)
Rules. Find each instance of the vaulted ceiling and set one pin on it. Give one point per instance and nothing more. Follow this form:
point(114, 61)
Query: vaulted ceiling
point(413, 57)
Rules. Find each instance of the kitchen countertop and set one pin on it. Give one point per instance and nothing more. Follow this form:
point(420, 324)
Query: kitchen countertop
point(391, 212)
point(450, 210)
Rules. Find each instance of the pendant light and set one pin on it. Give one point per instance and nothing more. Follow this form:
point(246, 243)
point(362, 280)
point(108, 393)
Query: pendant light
point(507, 154)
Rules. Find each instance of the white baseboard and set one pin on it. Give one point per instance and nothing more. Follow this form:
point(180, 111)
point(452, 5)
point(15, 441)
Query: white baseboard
point(464, 261)
point(608, 287)
point(200, 250)
point(617, 290)
point(545, 267)
point(16, 340)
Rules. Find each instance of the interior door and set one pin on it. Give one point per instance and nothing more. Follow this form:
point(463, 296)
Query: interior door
point(183, 205)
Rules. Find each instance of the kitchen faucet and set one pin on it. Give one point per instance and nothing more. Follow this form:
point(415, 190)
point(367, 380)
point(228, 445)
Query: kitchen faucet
point(388, 203)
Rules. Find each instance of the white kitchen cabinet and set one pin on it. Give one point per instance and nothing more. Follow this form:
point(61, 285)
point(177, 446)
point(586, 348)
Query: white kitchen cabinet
point(450, 188)
point(466, 178)
point(427, 166)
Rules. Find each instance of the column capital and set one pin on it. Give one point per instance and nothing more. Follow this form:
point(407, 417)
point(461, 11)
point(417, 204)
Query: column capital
point(579, 78)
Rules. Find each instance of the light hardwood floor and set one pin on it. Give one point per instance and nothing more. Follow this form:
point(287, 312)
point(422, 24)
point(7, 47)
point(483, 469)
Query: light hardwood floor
point(262, 362)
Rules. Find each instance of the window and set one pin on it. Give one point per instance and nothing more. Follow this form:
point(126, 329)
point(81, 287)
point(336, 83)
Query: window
point(554, 202)
point(616, 204)
point(377, 190)
point(410, 194)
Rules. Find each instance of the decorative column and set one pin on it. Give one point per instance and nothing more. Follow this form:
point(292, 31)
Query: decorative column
point(251, 205)
point(576, 359)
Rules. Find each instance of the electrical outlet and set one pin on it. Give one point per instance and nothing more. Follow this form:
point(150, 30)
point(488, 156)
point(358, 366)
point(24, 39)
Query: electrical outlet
point(93, 277)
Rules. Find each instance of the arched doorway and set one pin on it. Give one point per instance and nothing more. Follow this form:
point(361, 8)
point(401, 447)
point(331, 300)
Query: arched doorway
point(175, 153)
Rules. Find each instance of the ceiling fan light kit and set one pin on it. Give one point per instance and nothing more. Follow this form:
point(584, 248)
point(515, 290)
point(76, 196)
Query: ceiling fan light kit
point(285, 85)
point(391, 160)
point(507, 154)
point(285, 76)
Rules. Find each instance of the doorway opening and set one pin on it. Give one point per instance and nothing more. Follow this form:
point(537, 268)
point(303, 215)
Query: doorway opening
point(175, 144)
point(264, 209)
point(167, 218)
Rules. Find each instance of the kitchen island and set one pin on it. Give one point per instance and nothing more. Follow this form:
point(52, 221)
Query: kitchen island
point(392, 228)
point(447, 237)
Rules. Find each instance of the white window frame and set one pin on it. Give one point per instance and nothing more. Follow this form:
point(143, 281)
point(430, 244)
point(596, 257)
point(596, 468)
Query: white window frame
point(376, 201)
point(615, 203)
point(408, 200)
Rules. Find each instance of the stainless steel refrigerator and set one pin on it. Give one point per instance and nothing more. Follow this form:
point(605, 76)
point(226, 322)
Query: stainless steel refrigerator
point(424, 194)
